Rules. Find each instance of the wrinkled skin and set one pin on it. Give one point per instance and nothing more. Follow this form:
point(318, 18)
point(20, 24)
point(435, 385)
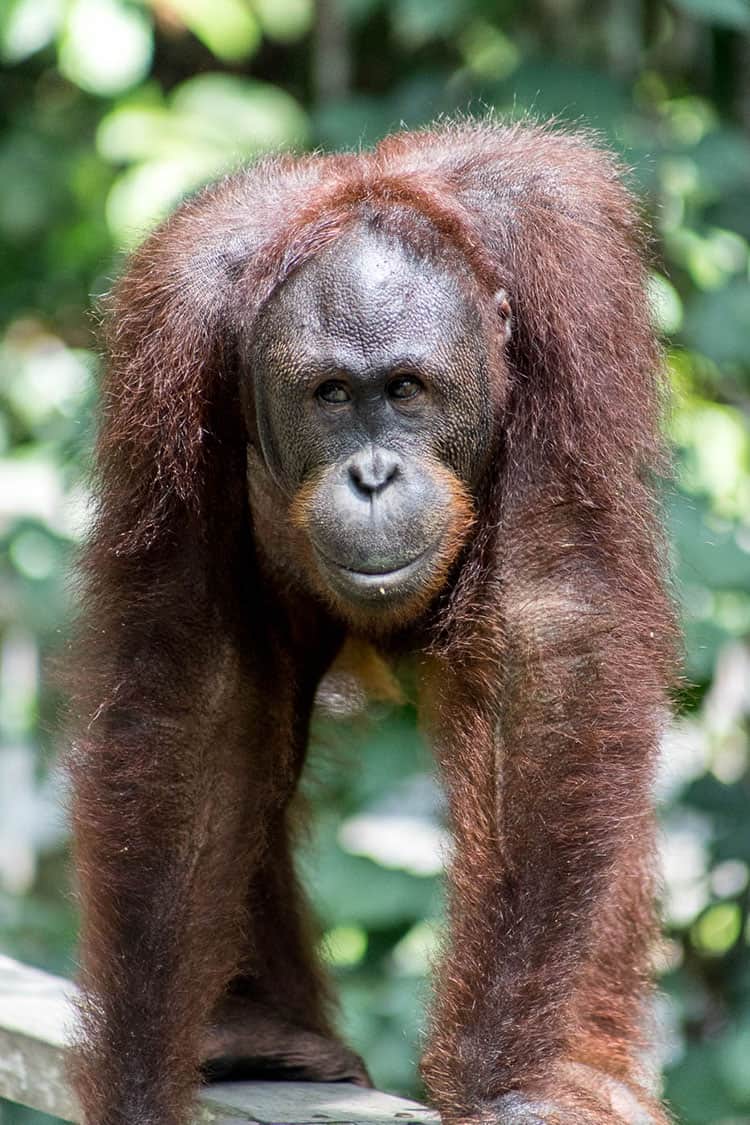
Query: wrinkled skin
point(373, 407)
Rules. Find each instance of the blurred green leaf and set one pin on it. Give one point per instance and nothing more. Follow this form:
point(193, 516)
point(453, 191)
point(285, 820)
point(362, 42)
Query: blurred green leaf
point(696, 1085)
point(211, 123)
point(227, 27)
point(730, 13)
point(718, 928)
point(415, 22)
point(285, 20)
point(709, 550)
point(245, 116)
point(718, 323)
point(28, 197)
point(733, 1063)
point(715, 461)
point(27, 26)
point(549, 88)
point(723, 160)
point(106, 45)
point(346, 888)
point(665, 303)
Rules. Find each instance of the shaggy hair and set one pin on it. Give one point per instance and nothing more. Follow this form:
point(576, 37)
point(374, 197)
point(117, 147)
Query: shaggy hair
point(544, 664)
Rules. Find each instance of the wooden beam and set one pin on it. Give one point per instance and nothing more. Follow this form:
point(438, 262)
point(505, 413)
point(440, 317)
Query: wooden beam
point(36, 1018)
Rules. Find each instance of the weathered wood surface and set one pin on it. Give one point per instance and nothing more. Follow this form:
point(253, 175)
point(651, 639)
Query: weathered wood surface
point(35, 1022)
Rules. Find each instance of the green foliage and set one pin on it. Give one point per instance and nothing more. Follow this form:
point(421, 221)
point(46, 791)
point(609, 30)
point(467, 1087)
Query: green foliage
point(111, 111)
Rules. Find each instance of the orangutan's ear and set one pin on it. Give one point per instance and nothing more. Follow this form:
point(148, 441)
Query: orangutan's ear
point(502, 307)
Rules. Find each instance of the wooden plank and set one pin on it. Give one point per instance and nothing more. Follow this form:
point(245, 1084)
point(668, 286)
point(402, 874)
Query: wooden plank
point(35, 1010)
point(36, 1019)
point(311, 1103)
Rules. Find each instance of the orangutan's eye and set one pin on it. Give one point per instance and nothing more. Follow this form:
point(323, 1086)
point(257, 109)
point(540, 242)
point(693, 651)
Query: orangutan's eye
point(404, 387)
point(334, 392)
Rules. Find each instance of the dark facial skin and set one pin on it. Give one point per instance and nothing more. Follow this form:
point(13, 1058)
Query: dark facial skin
point(374, 416)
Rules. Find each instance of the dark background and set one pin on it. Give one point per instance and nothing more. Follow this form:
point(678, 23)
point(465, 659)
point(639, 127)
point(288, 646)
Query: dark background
point(110, 111)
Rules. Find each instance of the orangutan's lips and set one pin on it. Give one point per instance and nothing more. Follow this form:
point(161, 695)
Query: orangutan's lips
point(374, 584)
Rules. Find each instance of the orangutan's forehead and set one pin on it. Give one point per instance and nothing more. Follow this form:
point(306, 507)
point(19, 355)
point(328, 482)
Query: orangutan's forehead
point(367, 292)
